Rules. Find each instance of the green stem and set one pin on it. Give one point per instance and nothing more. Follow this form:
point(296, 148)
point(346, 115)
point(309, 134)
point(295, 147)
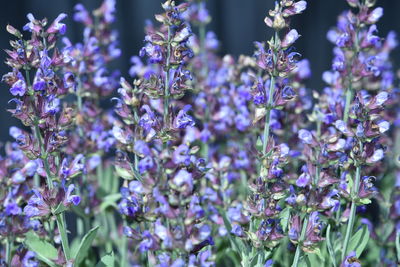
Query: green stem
point(398, 245)
point(124, 250)
point(349, 98)
point(270, 100)
point(330, 247)
point(203, 75)
point(298, 248)
point(354, 194)
point(9, 244)
point(166, 84)
point(60, 217)
point(268, 115)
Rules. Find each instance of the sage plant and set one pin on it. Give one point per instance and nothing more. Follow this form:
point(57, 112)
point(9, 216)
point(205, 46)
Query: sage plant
point(205, 159)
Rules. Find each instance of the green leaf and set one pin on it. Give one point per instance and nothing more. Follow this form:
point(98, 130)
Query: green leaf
point(284, 215)
point(359, 241)
point(259, 144)
point(305, 261)
point(365, 201)
point(107, 260)
point(237, 243)
point(137, 175)
point(45, 251)
point(110, 200)
point(85, 245)
point(60, 209)
point(124, 173)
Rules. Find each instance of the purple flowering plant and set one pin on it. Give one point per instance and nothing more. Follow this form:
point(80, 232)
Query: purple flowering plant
point(205, 159)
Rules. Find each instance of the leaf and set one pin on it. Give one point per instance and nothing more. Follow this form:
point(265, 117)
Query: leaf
point(237, 244)
point(359, 241)
point(259, 144)
point(137, 175)
point(107, 260)
point(43, 249)
point(110, 200)
point(124, 173)
point(85, 245)
point(365, 201)
point(284, 216)
point(60, 209)
point(259, 114)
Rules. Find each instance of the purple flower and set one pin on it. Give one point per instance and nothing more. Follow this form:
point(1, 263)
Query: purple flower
point(19, 87)
point(56, 26)
point(383, 126)
point(136, 187)
point(154, 53)
point(145, 164)
point(69, 80)
point(381, 98)
point(12, 208)
point(71, 199)
point(270, 262)
point(148, 242)
point(52, 105)
point(81, 14)
point(290, 38)
point(376, 156)
point(305, 136)
point(183, 177)
point(303, 180)
point(288, 93)
point(142, 148)
point(147, 120)
point(29, 259)
point(108, 8)
point(351, 260)
point(304, 70)
point(181, 155)
point(183, 120)
point(162, 232)
point(39, 84)
point(374, 15)
point(32, 25)
point(237, 230)
point(342, 126)
point(70, 170)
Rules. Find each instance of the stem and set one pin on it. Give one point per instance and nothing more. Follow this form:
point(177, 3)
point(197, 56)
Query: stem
point(202, 41)
point(270, 101)
point(349, 98)
point(166, 85)
point(124, 254)
point(9, 244)
point(398, 245)
point(329, 245)
point(354, 194)
point(298, 248)
point(60, 217)
point(43, 154)
point(203, 75)
point(268, 115)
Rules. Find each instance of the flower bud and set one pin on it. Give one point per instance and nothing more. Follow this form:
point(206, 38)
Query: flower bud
point(14, 31)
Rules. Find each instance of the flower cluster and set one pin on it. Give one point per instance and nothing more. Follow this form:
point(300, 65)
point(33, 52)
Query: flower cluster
point(205, 159)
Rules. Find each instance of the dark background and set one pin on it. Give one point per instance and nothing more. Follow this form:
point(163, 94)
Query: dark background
point(237, 24)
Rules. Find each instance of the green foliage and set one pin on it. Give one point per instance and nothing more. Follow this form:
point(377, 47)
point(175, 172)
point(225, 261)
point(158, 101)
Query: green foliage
point(85, 245)
point(44, 250)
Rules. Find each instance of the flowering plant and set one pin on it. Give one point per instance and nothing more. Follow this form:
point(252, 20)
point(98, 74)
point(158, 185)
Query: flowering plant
point(203, 160)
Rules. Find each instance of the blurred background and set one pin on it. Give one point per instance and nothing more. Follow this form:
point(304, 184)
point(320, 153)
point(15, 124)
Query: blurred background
point(237, 23)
